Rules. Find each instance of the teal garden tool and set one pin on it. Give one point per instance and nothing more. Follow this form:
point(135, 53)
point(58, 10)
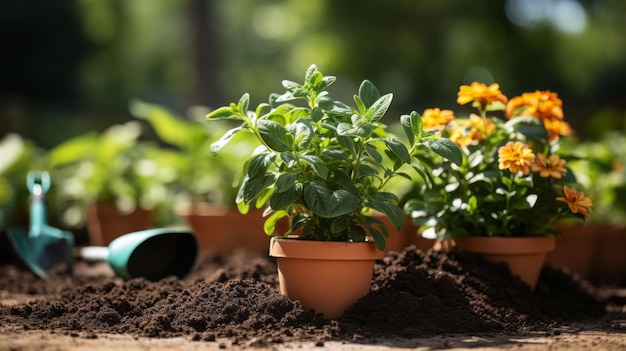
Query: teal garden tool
point(43, 247)
point(152, 253)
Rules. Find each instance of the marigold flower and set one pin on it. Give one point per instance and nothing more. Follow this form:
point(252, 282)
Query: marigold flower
point(551, 166)
point(544, 105)
point(576, 200)
point(516, 156)
point(435, 118)
point(557, 128)
point(480, 93)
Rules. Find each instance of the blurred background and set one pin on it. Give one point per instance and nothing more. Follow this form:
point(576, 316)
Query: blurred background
point(70, 66)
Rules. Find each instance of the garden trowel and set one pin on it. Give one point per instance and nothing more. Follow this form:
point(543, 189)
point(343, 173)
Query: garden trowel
point(151, 253)
point(43, 247)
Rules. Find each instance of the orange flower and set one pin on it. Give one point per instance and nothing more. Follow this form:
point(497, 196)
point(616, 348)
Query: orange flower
point(436, 118)
point(551, 166)
point(473, 132)
point(516, 156)
point(576, 200)
point(556, 128)
point(481, 94)
point(544, 105)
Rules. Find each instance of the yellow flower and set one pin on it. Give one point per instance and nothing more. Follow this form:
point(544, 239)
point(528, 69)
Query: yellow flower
point(480, 93)
point(551, 166)
point(576, 200)
point(435, 118)
point(544, 105)
point(516, 156)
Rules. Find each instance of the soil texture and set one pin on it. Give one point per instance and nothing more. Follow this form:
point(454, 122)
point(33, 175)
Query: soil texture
point(234, 300)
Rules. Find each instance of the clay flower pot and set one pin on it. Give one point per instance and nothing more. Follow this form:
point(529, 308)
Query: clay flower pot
point(223, 229)
point(328, 277)
point(525, 256)
point(106, 222)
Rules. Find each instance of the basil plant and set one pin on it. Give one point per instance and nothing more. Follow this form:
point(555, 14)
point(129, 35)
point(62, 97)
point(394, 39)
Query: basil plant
point(324, 164)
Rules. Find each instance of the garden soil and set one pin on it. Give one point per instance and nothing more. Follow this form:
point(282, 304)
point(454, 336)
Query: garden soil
point(419, 300)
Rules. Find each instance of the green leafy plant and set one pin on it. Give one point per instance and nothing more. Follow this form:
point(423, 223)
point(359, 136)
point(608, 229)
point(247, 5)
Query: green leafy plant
point(513, 181)
point(322, 163)
point(18, 157)
point(199, 177)
point(112, 166)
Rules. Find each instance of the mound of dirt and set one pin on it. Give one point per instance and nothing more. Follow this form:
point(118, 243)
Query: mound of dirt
point(413, 294)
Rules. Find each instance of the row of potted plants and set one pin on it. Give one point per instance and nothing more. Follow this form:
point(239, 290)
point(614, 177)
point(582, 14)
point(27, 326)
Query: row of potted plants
point(323, 165)
point(309, 170)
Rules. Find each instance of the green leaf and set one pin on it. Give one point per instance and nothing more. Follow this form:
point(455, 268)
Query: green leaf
point(281, 200)
point(416, 126)
point(360, 106)
point(398, 149)
point(221, 142)
point(223, 113)
point(244, 102)
point(378, 236)
point(275, 135)
point(447, 149)
point(339, 225)
point(290, 86)
point(310, 72)
point(405, 122)
point(253, 187)
point(325, 82)
point(341, 202)
point(286, 181)
point(319, 167)
point(269, 227)
point(368, 93)
point(361, 131)
point(393, 212)
point(373, 152)
point(259, 164)
point(302, 132)
point(317, 198)
point(379, 108)
point(317, 114)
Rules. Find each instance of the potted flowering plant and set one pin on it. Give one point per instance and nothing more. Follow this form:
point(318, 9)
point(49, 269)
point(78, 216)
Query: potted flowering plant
point(513, 186)
point(322, 165)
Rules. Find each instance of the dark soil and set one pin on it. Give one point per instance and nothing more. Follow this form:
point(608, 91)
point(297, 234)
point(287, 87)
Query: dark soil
point(414, 294)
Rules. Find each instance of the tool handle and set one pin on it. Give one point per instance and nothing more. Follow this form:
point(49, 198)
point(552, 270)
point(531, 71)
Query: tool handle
point(38, 184)
point(94, 253)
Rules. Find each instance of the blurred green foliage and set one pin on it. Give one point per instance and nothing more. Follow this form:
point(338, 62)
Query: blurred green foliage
point(81, 61)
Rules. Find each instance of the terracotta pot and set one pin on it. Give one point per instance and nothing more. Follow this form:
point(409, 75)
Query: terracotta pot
point(416, 239)
point(223, 229)
point(106, 222)
point(524, 256)
point(593, 251)
point(328, 277)
point(576, 249)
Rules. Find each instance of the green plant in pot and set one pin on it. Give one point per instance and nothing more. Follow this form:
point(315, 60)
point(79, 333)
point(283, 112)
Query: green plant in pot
point(204, 195)
point(109, 181)
point(513, 185)
point(322, 165)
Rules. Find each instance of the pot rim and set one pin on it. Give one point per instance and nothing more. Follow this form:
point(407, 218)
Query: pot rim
point(506, 245)
point(324, 250)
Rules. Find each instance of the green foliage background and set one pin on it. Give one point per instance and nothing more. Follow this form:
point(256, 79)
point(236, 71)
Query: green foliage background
point(73, 65)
